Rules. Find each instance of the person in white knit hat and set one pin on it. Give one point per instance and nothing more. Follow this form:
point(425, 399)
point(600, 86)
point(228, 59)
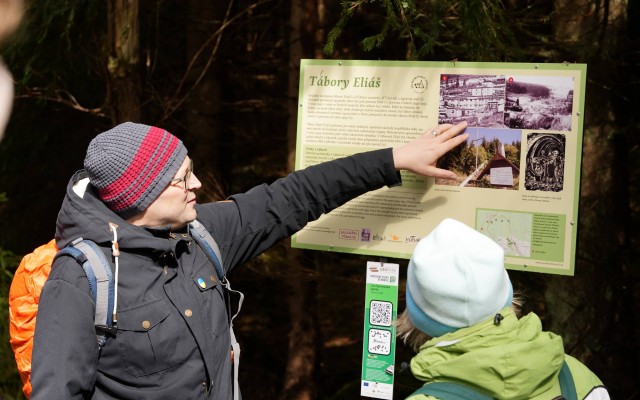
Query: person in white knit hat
point(463, 322)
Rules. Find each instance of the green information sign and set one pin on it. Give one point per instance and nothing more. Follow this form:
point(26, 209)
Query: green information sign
point(517, 174)
point(379, 349)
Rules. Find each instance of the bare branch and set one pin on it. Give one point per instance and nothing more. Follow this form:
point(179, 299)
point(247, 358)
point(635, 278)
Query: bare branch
point(217, 35)
point(62, 97)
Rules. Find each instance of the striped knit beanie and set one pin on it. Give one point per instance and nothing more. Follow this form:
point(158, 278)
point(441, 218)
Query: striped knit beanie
point(456, 279)
point(131, 164)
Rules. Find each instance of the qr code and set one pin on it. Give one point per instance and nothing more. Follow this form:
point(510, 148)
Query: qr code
point(379, 342)
point(380, 313)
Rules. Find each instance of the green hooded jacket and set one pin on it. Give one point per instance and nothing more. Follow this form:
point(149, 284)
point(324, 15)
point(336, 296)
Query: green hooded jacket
point(512, 360)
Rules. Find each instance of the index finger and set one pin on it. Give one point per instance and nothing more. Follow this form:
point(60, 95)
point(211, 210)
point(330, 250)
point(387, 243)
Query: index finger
point(453, 130)
point(452, 137)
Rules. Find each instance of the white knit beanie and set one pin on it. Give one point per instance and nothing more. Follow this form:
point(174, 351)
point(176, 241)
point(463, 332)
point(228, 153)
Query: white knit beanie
point(456, 279)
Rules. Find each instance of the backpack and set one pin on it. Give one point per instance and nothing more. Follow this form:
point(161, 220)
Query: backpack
point(458, 391)
point(24, 295)
point(33, 271)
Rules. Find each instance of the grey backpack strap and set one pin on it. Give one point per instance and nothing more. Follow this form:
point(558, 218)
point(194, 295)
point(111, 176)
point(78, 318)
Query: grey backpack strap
point(101, 284)
point(209, 245)
point(204, 239)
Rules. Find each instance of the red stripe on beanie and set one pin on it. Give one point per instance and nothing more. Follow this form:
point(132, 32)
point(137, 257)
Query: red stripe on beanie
point(156, 141)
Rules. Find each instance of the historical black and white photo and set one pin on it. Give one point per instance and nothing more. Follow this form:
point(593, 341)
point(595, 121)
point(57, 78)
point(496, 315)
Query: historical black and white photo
point(477, 99)
point(539, 102)
point(545, 162)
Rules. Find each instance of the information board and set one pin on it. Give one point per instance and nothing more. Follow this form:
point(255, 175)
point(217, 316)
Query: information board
point(518, 173)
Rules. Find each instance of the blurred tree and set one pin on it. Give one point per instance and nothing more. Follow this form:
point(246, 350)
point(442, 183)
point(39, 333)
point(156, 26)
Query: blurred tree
point(491, 146)
point(123, 84)
point(299, 381)
point(473, 157)
point(594, 310)
point(477, 30)
point(512, 153)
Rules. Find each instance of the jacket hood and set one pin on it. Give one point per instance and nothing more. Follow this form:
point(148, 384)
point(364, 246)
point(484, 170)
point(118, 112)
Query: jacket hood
point(512, 360)
point(84, 215)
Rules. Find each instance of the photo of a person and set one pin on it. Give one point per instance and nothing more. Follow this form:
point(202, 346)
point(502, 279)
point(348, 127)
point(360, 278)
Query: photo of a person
point(545, 162)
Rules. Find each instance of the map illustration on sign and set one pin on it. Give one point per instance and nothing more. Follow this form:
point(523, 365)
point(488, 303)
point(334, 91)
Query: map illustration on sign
point(511, 230)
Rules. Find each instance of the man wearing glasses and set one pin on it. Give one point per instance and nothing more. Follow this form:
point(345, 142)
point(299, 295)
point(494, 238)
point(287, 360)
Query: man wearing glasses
point(135, 198)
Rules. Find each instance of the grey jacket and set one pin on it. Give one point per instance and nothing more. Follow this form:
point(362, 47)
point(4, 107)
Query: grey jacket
point(173, 337)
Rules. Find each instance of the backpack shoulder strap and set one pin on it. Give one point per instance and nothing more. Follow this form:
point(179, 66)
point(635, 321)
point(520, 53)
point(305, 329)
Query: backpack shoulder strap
point(204, 239)
point(450, 391)
point(567, 384)
point(101, 283)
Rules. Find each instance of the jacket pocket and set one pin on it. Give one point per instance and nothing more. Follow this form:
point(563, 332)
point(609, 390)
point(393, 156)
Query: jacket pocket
point(152, 338)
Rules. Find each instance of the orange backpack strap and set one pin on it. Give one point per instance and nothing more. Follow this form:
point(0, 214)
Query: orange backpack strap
point(24, 295)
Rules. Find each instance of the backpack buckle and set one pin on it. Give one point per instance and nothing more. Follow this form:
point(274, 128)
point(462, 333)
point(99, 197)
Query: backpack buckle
point(110, 331)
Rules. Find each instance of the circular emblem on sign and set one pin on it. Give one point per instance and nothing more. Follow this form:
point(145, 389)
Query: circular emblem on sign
point(419, 84)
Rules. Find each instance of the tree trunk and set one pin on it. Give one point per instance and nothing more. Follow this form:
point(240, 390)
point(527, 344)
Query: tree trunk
point(600, 289)
point(299, 383)
point(204, 88)
point(124, 46)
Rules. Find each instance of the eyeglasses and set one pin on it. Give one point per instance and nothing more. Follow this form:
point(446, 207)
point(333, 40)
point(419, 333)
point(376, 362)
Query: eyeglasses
point(186, 178)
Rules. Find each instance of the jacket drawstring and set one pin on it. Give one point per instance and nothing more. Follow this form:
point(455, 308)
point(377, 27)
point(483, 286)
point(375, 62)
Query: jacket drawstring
point(115, 251)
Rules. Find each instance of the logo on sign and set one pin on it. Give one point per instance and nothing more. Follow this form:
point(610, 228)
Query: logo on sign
point(349, 234)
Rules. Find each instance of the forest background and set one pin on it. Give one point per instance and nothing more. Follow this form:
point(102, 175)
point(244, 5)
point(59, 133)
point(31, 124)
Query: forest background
point(223, 76)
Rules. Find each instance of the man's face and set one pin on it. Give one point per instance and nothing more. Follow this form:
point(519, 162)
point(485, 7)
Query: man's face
point(176, 204)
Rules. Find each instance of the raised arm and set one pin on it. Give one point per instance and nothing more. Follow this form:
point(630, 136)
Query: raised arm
point(420, 155)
